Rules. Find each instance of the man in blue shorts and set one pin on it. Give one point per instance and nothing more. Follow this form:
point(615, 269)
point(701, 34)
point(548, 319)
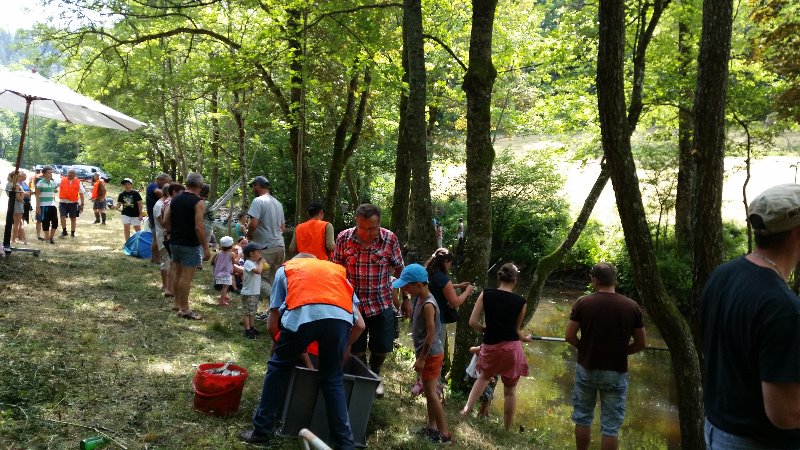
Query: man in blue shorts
point(606, 322)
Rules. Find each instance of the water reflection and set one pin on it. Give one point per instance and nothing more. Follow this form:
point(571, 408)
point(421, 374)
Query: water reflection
point(544, 399)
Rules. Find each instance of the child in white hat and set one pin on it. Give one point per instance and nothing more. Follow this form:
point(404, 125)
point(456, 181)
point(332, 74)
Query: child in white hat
point(223, 268)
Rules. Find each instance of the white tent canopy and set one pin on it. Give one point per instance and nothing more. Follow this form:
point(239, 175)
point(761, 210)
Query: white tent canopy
point(58, 102)
point(32, 94)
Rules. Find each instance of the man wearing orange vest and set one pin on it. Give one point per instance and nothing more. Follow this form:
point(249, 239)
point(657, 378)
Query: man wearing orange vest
point(315, 302)
point(314, 236)
point(68, 193)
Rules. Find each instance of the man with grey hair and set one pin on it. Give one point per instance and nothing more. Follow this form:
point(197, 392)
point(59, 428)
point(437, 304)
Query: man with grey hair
point(188, 243)
point(751, 334)
point(371, 254)
point(265, 229)
point(69, 192)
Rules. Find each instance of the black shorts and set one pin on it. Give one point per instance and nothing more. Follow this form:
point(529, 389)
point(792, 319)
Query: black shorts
point(49, 217)
point(380, 329)
point(68, 209)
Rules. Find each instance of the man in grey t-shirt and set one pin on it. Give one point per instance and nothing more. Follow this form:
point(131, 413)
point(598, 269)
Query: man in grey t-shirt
point(265, 229)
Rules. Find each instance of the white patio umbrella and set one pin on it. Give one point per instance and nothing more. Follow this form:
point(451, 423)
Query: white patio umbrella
point(18, 90)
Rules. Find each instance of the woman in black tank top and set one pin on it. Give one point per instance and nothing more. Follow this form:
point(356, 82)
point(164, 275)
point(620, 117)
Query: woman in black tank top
point(501, 352)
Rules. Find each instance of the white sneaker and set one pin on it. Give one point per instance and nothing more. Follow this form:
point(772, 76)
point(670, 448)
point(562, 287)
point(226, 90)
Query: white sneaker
point(379, 390)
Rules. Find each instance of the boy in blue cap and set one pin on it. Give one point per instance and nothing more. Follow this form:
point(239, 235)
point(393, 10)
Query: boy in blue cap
point(428, 347)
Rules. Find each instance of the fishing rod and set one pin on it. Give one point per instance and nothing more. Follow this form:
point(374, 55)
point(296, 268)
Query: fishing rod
point(557, 339)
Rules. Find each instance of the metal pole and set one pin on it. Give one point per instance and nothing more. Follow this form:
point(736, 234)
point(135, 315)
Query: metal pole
point(11, 196)
point(309, 441)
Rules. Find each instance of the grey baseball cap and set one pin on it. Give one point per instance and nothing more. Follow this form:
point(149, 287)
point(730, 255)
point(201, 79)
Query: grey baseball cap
point(776, 210)
point(259, 180)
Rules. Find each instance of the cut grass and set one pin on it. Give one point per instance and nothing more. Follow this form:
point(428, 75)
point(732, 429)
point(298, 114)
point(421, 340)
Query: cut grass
point(89, 346)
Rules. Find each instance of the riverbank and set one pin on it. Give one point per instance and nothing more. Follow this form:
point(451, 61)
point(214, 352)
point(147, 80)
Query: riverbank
point(90, 346)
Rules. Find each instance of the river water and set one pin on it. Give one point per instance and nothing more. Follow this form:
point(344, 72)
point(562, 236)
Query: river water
point(544, 398)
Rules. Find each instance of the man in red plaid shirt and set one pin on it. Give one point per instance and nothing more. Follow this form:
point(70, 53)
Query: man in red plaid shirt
point(371, 255)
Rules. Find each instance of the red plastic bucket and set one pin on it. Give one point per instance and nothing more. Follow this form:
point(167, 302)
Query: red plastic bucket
point(215, 394)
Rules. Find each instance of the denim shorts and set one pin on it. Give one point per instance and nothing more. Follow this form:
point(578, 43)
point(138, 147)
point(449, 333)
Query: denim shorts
point(613, 389)
point(717, 439)
point(186, 255)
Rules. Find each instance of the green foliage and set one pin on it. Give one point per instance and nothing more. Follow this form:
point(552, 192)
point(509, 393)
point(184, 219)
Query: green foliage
point(528, 214)
point(675, 267)
point(592, 246)
point(777, 44)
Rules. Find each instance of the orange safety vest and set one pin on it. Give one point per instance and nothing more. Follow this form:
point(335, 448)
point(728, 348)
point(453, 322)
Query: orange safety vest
point(310, 281)
point(69, 190)
point(96, 190)
point(310, 238)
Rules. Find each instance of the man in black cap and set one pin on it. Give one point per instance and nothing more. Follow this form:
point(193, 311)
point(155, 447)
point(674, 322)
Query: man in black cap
point(751, 334)
point(265, 229)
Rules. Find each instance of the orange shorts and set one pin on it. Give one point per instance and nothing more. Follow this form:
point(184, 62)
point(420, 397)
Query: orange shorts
point(433, 367)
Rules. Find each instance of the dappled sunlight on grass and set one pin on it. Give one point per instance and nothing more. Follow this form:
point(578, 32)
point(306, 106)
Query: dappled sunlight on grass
point(89, 339)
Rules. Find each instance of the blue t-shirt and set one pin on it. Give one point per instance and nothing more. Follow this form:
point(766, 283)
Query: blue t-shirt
point(150, 200)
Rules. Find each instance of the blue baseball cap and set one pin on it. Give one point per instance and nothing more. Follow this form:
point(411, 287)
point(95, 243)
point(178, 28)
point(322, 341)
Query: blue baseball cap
point(413, 273)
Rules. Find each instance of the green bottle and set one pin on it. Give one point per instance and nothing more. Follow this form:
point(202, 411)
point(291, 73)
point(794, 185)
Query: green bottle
point(94, 442)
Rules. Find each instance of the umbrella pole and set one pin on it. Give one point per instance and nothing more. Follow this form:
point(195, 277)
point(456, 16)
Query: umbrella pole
point(11, 196)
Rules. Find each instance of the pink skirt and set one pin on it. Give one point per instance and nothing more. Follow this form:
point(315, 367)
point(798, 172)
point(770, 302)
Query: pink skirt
point(505, 359)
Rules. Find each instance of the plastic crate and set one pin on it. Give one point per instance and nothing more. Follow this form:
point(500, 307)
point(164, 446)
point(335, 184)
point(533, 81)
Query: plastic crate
point(304, 406)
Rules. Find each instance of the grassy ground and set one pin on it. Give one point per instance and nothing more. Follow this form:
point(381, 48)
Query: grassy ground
point(89, 346)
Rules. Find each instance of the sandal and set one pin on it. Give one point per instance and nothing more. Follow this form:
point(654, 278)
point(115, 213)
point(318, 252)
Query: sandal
point(167, 294)
point(190, 315)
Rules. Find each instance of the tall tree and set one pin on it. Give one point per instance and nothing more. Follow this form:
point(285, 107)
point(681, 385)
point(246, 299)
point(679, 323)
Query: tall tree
point(345, 139)
point(421, 236)
point(478, 84)
point(709, 145)
point(645, 28)
point(402, 168)
point(614, 127)
point(686, 164)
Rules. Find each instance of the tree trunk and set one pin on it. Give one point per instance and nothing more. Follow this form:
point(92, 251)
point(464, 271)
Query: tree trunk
point(747, 168)
point(343, 148)
point(241, 137)
point(478, 84)
point(402, 168)
point(709, 145)
point(686, 166)
point(422, 236)
point(644, 34)
point(548, 263)
point(614, 127)
point(214, 144)
point(304, 190)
